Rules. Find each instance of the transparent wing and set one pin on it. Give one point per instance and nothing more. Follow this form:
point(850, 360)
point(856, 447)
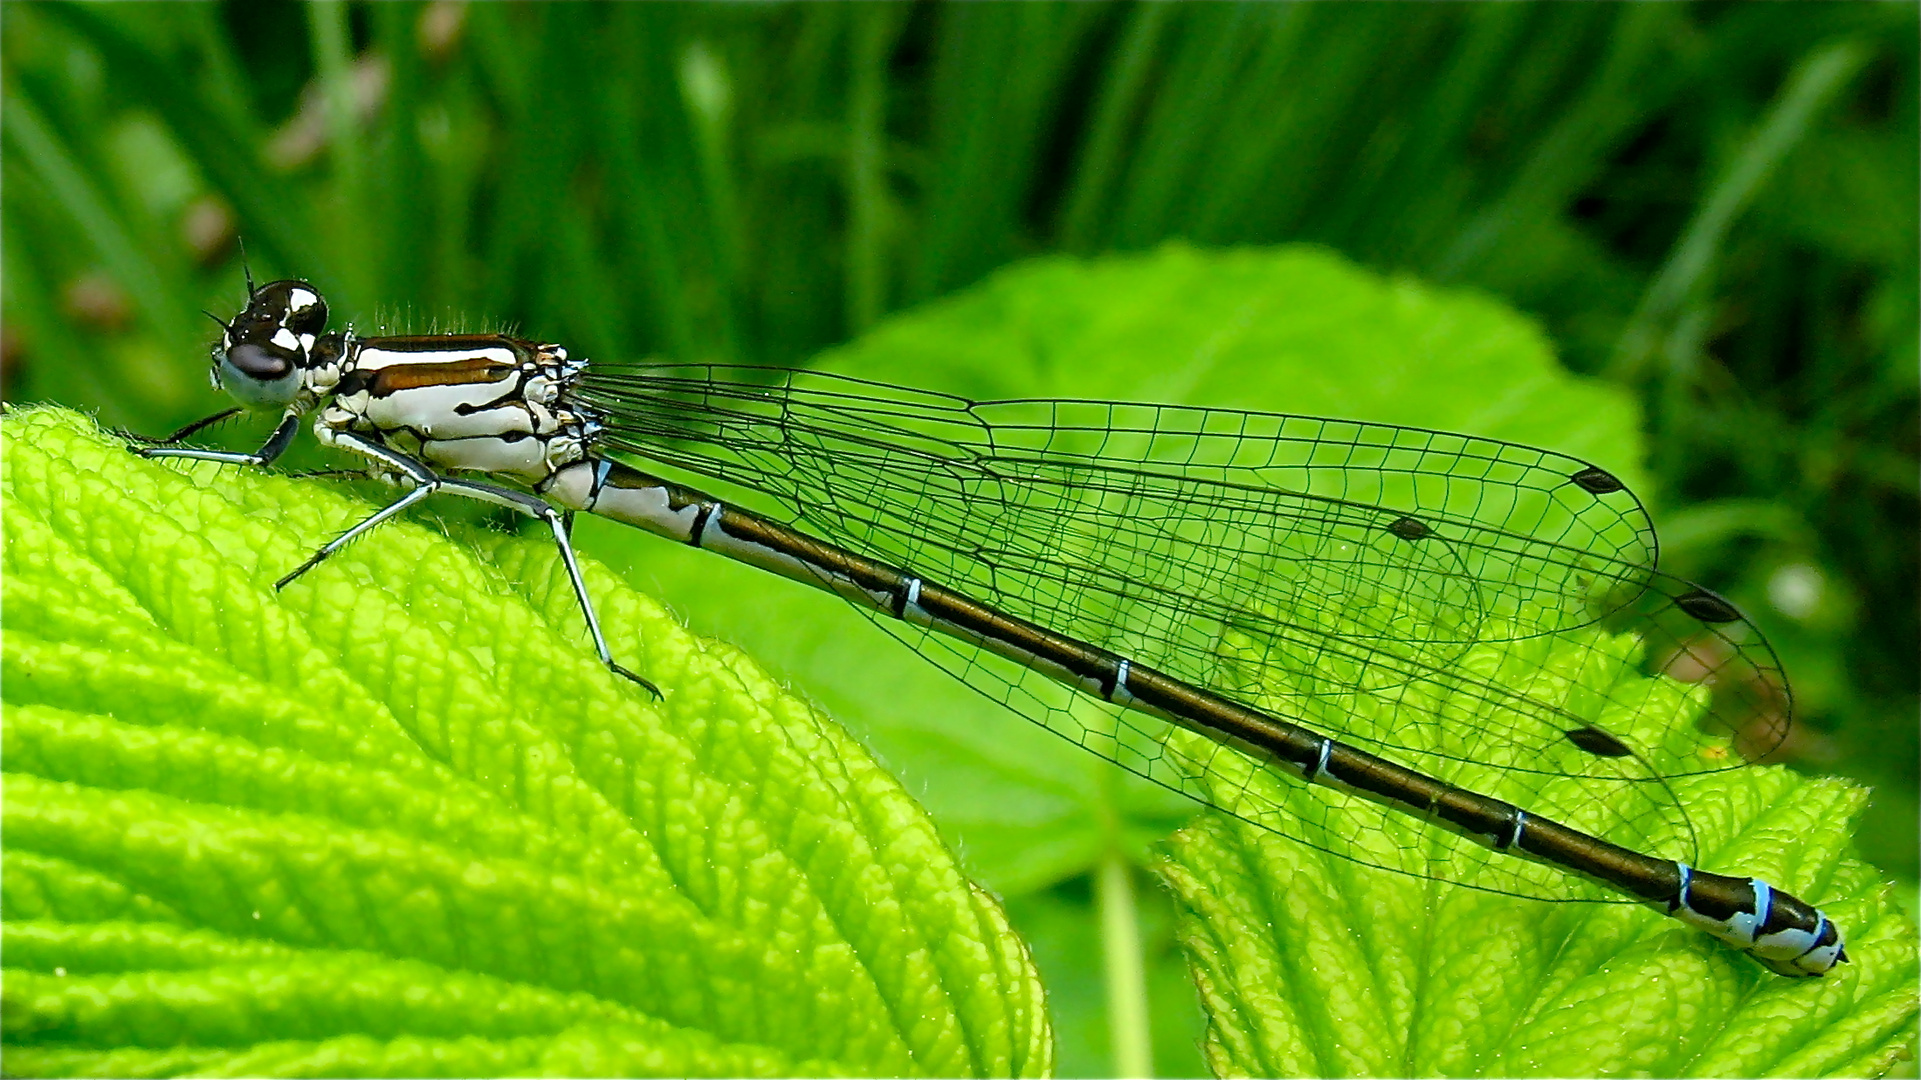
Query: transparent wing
point(1463, 606)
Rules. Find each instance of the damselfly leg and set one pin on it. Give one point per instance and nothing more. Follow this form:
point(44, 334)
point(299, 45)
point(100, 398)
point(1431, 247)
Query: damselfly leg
point(403, 469)
point(183, 434)
point(270, 451)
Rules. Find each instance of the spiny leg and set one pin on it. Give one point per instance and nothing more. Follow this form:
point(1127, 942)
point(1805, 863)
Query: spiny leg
point(328, 474)
point(426, 482)
point(276, 444)
point(561, 525)
point(184, 433)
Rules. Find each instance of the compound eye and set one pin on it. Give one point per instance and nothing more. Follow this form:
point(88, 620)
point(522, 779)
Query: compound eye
point(266, 363)
point(306, 312)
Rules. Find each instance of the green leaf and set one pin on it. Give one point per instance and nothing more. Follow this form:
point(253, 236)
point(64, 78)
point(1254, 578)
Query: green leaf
point(1311, 965)
point(397, 819)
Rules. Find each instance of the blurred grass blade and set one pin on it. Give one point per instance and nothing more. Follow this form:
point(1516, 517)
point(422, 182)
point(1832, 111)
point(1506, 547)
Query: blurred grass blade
point(277, 221)
point(875, 29)
point(1629, 81)
point(1815, 82)
point(1098, 169)
point(130, 262)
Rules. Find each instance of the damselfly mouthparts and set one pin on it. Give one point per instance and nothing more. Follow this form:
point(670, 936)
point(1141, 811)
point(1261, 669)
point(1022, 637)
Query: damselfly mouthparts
point(1463, 617)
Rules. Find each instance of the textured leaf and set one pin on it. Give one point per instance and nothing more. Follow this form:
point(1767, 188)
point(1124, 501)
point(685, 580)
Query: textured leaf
point(398, 820)
point(1311, 965)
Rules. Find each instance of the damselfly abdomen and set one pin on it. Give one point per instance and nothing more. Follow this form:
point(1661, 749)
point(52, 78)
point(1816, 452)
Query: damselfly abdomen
point(1462, 617)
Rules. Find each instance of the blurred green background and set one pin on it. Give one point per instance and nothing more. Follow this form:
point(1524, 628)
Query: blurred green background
point(1714, 206)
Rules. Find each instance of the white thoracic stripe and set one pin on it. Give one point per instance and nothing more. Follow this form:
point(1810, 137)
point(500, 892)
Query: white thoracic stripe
point(373, 357)
point(504, 457)
point(452, 410)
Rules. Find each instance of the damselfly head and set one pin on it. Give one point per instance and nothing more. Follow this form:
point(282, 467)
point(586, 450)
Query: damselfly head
point(261, 353)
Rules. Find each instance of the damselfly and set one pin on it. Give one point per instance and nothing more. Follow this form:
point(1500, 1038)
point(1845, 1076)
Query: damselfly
point(1460, 615)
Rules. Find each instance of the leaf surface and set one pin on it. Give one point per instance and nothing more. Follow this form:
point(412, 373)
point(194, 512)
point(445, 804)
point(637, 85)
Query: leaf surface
point(398, 820)
point(1310, 965)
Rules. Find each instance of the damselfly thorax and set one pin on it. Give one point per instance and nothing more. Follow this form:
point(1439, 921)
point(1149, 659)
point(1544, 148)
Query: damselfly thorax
point(1456, 612)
